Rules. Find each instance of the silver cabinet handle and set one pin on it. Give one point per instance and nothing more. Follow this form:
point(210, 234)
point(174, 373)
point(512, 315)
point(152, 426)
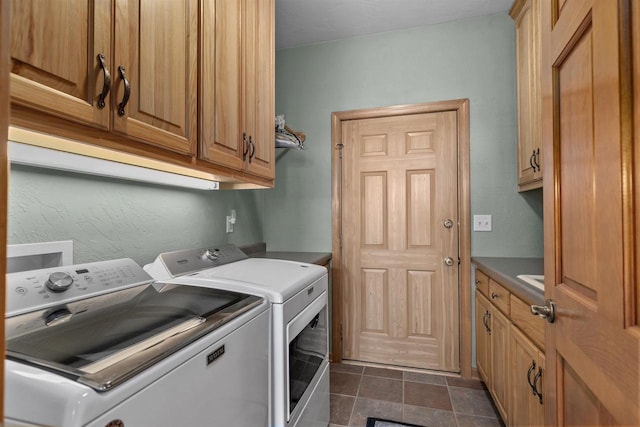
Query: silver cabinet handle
point(448, 261)
point(546, 311)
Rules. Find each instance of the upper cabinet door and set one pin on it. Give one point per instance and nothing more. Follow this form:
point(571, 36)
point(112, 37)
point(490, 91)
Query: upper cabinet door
point(221, 84)
point(526, 14)
point(237, 85)
point(54, 57)
point(260, 84)
point(155, 72)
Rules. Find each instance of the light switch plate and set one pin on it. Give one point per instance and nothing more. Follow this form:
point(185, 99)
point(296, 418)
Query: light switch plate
point(482, 223)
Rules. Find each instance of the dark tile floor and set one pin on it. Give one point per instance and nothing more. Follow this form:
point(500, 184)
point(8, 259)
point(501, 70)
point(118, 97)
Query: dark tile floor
point(358, 392)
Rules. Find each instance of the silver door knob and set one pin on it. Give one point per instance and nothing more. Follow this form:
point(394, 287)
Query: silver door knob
point(546, 311)
point(448, 261)
point(447, 223)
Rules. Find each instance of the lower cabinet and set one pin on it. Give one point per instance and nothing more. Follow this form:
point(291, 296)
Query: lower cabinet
point(483, 337)
point(500, 331)
point(527, 367)
point(508, 361)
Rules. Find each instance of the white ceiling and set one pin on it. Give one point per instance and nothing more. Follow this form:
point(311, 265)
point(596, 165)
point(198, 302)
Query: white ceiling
point(303, 22)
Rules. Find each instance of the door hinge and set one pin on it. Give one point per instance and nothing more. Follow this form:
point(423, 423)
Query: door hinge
point(340, 147)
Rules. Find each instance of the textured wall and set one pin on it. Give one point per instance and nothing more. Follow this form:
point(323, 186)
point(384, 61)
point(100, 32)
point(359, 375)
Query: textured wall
point(109, 218)
point(472, 59)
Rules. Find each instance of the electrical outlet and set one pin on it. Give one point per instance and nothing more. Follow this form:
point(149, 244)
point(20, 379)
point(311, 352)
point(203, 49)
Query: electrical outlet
point(231, 220)
point(482, 223)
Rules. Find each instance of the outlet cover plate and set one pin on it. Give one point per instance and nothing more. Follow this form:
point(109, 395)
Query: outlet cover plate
point(482, 223)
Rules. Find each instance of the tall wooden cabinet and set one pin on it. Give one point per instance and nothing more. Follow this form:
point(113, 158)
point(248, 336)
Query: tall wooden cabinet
point(145, 88)
point(526, 14)
point(237, 71)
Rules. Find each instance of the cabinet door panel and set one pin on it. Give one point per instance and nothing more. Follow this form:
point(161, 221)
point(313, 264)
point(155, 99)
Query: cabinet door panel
point(54, 49)
point(527, 23)
point(500, 328)
point(221, 83)
point(260, 86)
point(483, 345)
point(156, 43)
point(524, 408)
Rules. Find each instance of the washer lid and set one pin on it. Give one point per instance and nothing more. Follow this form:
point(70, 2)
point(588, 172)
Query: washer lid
point(278, 280)
point(105, 340)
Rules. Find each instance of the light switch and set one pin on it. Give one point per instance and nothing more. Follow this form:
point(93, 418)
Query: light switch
point(482, 223)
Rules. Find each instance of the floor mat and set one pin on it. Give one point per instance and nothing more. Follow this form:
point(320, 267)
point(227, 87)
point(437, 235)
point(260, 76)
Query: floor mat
point(377, 422)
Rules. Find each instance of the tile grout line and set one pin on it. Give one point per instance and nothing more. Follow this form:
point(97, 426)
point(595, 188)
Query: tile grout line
point(355, 398)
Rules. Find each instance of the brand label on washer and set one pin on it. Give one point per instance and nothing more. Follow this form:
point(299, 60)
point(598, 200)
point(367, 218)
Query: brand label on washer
point(211, 357)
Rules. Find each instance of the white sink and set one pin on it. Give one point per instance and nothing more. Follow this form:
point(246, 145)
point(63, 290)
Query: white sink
point(533, 279)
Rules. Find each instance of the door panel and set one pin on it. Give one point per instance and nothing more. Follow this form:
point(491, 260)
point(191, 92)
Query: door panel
point(500, 332)
point(221, 106)
point(156, 43)
point(54, 49)
point(400, 184)
point(592, 349)
point(260, 87)
point(483, 343)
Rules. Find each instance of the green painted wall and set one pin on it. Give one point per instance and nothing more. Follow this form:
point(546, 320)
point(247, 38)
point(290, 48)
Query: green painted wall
point(473, 59)
point(109, 218)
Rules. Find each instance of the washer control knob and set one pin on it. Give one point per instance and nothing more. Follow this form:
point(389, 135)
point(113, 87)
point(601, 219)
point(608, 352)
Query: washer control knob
point(59, 282)
point(211, 254)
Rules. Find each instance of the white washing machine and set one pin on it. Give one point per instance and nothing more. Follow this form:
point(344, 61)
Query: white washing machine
point(102, 344)
point(299, 325)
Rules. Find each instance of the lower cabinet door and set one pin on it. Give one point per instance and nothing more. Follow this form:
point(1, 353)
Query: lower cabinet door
point(527, 368)
point(483, 343)
point(500, 331)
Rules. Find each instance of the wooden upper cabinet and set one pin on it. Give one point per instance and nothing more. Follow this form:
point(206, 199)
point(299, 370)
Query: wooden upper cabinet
point(54, 50)
point(156, 57)
point(221, 139)
point(260, 98)
point(237, 85)
point(526, 14)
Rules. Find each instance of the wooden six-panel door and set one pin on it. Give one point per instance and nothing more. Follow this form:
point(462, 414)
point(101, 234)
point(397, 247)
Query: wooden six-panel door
point(399, 191)
point(593, 347)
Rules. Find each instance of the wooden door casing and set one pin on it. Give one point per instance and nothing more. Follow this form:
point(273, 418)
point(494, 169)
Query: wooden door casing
point(5, 7)
point(400, 184)
point(54, 65)
point(592, 349)
point(156, 43)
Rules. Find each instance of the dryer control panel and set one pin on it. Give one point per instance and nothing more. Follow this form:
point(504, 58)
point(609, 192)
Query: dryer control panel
point(169, 265)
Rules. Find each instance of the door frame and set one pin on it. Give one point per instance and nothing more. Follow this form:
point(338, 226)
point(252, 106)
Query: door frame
point(461, 107)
